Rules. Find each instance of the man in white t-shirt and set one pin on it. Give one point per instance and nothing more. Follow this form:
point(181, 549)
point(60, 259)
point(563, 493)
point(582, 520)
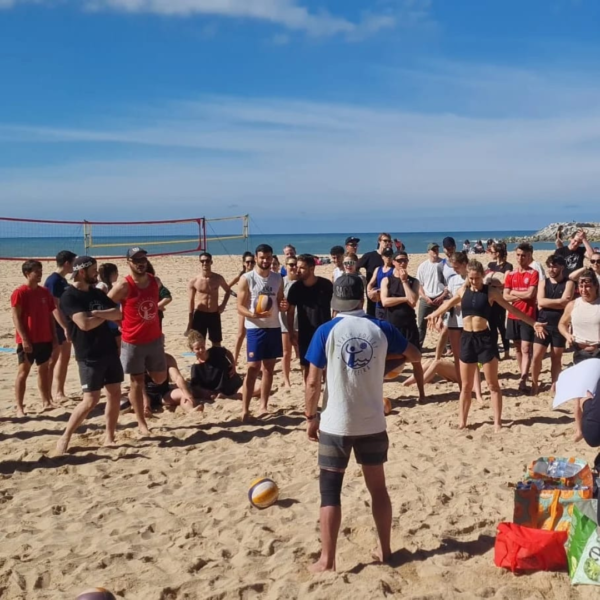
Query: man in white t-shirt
point(433, 288)
point(354, 347)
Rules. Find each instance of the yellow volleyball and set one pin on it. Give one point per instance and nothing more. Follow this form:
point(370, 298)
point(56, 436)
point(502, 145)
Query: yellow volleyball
point(264, 303)
point(263, 492)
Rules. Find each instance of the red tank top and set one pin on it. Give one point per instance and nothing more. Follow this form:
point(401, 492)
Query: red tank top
point(141, 324)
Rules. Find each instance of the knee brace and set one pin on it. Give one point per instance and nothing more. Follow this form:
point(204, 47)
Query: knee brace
point(330, 485)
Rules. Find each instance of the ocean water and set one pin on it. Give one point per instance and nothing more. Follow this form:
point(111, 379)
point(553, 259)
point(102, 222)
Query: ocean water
point(314, 243)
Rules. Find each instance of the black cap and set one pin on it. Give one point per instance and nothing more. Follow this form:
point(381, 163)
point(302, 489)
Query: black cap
point(448, 242)
point(352, 240)
point(135, 250)
point(400, 254)
point(82, 262)
point(388, 252)
point(337, 250)
point(348, 290)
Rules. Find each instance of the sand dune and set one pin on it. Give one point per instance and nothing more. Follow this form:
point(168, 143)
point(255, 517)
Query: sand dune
point(167, 518)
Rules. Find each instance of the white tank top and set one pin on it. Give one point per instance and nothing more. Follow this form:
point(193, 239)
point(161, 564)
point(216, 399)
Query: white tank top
point(585, 321)
point(268, 286)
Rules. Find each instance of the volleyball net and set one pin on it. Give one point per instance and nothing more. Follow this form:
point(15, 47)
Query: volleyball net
point(21, 239)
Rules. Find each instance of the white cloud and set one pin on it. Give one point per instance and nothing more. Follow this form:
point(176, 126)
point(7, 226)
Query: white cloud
point(276, 156)
point(290, 14)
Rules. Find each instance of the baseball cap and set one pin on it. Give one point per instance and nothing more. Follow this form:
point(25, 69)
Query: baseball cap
point(400, 255)
point(431, 246)
point(352, 240)
point(348, 289)
point(337, 250)
point(448, 242)
point(388, 252)
point(135, 250)
point(82, 262)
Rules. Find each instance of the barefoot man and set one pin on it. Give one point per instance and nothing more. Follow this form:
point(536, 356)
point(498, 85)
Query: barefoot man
point(205, 316)
point(353, 346)
point(142, 348)
point(88, 311)
point(263, 331)
point(32, 312)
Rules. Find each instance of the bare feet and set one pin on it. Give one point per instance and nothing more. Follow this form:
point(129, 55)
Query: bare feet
point(535, 389)
point(20, 412)
point(245, 417)
point(109, 441)
point(553, 388)
point(147, 412)
point(48, 406)
point(497, 427)
point(61, 397)
point(61, 446)
point(144, 430)
point(380, 556)
point(578, 436)
point(321, 566)
point(523, 386)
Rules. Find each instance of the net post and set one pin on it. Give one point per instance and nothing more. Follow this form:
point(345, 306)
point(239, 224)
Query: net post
point(246, 229)
point(87, 237)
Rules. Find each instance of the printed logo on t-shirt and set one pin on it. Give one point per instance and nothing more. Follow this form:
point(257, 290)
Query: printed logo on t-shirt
point(147, 310)
point(357, 353)
point(95, 305)
point(526, 280)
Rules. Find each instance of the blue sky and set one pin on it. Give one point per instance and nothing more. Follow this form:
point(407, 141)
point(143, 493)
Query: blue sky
point(310, 115)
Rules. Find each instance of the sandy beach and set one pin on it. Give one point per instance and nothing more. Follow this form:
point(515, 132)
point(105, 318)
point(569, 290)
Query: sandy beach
point(168, 518)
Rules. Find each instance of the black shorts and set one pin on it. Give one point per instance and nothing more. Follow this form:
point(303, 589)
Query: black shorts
point(590, 422)
point(580, 355)
point(478, 347)
point(204, 322)
point(156, 398)
point(518, 331)
point(60, 335)
point(95, 374)
point(335, 450)
point(40, 354)
point(411, 332)
point(553, 338)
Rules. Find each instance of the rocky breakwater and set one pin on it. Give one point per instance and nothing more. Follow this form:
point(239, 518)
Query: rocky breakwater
point(548, 233)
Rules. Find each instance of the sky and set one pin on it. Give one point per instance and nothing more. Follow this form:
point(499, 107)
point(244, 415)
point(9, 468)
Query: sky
point(311, 115)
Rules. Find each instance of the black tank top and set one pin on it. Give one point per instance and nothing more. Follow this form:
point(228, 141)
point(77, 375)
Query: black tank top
point(401, 314)
point(476, 304)
point(554, 291)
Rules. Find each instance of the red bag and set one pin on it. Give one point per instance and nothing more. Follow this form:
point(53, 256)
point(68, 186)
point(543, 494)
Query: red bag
point(521, 548)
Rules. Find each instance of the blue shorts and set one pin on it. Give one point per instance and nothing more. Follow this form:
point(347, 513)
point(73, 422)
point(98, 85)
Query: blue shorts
point(263, 344)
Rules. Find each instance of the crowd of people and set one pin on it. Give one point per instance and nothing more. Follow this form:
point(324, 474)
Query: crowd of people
point(342, 329)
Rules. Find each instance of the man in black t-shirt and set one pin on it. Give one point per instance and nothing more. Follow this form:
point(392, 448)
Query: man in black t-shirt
point(371, 261)
point(311, 297)
point(88, 311)
point(575, 252)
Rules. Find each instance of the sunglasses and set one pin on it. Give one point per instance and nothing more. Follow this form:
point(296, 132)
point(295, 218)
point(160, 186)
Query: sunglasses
point(401, 260)
point(349, 263)
point(292, 264)
point(595, 261)
point(249, 262)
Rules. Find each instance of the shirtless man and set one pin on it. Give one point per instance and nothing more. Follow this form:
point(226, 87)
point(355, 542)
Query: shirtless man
point(205, 316)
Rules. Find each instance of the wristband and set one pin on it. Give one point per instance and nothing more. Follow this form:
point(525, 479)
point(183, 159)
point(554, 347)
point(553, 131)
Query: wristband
point(311, 417)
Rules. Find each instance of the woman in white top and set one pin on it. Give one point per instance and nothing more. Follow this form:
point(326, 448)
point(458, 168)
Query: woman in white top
point(580, 325)
point(248, 263)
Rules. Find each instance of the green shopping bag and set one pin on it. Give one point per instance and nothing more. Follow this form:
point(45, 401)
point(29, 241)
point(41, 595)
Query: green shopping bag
point(583, 544)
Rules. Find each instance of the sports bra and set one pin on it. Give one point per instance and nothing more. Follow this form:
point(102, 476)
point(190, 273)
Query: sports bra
point(476, 304)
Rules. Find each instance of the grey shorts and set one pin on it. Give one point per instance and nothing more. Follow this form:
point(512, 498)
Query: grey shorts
point(139, 358)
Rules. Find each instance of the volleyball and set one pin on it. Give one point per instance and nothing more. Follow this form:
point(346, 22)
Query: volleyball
point(263, 492)
point(96, 594)
point(264, 303)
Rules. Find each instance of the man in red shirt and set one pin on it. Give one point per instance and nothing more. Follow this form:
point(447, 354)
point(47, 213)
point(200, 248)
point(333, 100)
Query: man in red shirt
point(32, 307)
point(520, 289)
point(142, 346)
